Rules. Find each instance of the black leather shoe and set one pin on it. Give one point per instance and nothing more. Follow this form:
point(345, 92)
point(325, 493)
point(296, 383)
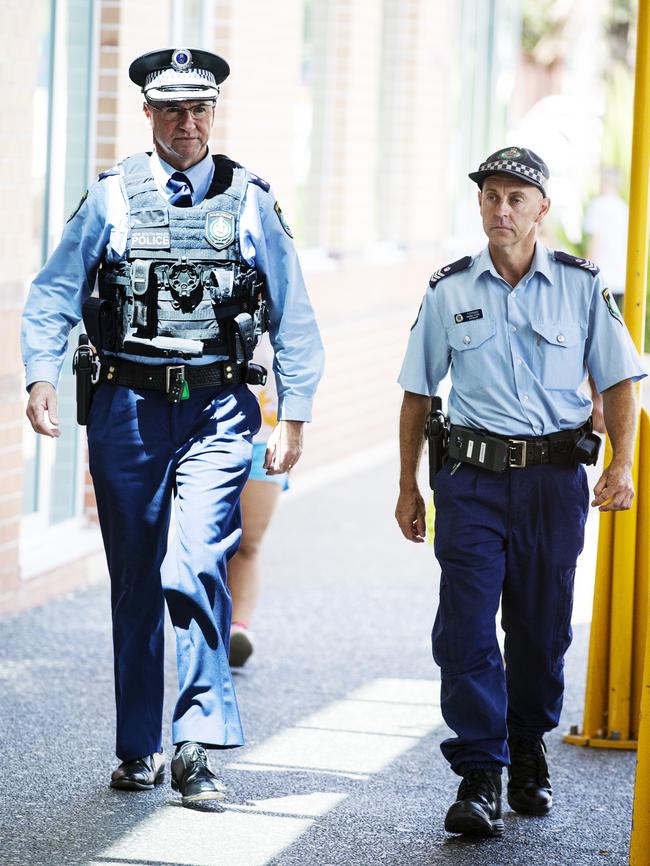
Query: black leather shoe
point(529, 785)
point(477, 810)
point(192, 776)
point(140, 774)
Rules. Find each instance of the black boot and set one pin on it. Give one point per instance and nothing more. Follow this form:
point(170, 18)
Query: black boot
point(529, 785)
point(477, 810)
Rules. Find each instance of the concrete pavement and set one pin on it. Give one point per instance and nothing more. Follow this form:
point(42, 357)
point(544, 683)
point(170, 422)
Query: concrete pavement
point(340, 704)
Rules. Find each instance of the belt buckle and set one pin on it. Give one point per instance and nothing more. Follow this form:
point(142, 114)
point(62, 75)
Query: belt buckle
point(174, 382)
point(513, 461)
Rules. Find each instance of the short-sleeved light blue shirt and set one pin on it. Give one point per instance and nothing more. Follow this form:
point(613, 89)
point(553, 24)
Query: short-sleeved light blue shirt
point(98, 231)
point(519, 356)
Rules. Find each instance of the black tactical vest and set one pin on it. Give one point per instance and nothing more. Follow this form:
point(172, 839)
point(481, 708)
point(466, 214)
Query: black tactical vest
point(183, 288)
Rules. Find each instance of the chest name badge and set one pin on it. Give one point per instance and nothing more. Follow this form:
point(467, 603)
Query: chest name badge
point(469, 316)
point(151, 239)
point(220, 229)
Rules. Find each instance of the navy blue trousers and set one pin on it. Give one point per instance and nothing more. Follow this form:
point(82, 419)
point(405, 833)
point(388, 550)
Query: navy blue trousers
point(142, 449)
point(511, 538)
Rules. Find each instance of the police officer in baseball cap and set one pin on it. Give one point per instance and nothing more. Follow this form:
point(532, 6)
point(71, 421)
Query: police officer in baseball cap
point(519, 327)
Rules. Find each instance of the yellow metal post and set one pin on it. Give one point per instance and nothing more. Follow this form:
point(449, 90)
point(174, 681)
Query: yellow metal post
point(618, 645)
point(640, 838)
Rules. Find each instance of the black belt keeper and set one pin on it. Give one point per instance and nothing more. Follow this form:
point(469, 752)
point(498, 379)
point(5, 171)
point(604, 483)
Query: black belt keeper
point(497, 453)
point(171, 378)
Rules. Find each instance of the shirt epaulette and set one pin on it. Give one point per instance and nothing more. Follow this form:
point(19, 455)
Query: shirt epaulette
point(259, 181)
point(453, 268)
point(576, 262)
point(108, 173)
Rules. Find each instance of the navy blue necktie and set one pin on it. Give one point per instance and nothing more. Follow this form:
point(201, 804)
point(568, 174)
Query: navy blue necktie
point(181, 190)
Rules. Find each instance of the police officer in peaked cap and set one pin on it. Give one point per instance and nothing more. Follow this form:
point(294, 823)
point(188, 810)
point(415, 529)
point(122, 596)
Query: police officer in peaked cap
point(193, 260)
point(519, 327)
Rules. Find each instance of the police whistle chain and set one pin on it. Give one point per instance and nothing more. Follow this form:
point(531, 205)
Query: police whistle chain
point(85, 366)
point(436, 431)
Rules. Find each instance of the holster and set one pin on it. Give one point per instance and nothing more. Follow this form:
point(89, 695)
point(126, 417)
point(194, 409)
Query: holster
point(85, 366)
point(436, 431)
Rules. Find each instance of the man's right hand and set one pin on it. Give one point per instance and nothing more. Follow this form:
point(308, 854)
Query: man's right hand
point(410, 514)
point(42, 400)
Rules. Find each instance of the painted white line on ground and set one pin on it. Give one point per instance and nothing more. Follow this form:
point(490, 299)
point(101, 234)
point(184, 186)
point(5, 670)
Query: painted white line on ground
point(360, 734)
point(351, 738)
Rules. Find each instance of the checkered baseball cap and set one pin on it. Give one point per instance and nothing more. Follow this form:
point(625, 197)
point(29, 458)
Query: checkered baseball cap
point(517, 161)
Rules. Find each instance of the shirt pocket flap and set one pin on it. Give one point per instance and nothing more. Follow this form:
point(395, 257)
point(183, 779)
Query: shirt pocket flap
point(557, 334)
point(470, 335)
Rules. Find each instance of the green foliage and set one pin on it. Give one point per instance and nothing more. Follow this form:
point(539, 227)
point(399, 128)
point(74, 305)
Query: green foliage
point(535, 23)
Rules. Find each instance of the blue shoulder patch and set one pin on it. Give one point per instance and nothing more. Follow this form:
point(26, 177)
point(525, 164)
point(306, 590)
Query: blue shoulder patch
point(576, 262)
point(108, 173)
point(453, 268)
point(258, 181)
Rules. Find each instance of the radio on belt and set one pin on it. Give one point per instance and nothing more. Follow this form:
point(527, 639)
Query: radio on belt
point(486, 451)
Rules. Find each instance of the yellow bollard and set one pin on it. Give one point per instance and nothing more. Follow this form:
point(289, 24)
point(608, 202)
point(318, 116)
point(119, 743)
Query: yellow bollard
point(640, 838)
point(617, 651)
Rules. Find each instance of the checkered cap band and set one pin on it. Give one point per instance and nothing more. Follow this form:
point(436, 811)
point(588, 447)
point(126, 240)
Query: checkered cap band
point(190, 78)
point(517, 167)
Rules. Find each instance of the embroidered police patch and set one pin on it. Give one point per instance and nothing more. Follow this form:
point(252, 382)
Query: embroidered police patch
point(78, 208)
point(151, 239)
point(469, 316)
point(220, 229)
point(283, 222)
point(611, 306)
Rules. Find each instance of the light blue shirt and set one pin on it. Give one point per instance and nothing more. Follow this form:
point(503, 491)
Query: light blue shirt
point(99, 231)
point(518, 356)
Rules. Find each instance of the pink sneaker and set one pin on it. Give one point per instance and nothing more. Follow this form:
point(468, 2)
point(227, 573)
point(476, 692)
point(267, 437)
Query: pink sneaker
point(241, 645)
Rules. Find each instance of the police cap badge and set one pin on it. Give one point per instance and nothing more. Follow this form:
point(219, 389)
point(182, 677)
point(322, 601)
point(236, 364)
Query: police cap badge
point(520, 162)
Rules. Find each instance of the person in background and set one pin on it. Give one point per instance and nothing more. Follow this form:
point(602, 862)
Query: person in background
point(605, 229)
point(258, 502)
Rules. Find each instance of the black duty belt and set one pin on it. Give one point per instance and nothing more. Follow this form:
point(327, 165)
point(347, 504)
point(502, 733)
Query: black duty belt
point(496, 452)
point(175, 380)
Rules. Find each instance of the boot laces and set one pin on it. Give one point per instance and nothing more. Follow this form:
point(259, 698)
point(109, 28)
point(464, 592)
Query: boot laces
point(528, 763)
point(196, 754)
point(477, 783)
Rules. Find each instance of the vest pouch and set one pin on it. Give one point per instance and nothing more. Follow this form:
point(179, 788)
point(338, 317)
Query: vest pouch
point(99, 322)
point(140, 288)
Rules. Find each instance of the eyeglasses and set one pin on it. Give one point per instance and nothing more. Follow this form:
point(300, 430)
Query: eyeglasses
point(176, 112)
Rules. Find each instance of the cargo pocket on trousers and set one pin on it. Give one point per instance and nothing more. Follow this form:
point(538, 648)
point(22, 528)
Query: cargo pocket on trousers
point(563, 633)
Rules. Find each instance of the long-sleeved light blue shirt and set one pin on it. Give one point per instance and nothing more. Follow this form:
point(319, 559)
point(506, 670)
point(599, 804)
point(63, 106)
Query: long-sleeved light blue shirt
point(518, 356)
point(98, 231)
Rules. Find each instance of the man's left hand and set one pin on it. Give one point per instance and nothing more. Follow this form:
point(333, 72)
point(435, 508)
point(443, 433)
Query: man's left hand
point(615, 488)
point(284, 447)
